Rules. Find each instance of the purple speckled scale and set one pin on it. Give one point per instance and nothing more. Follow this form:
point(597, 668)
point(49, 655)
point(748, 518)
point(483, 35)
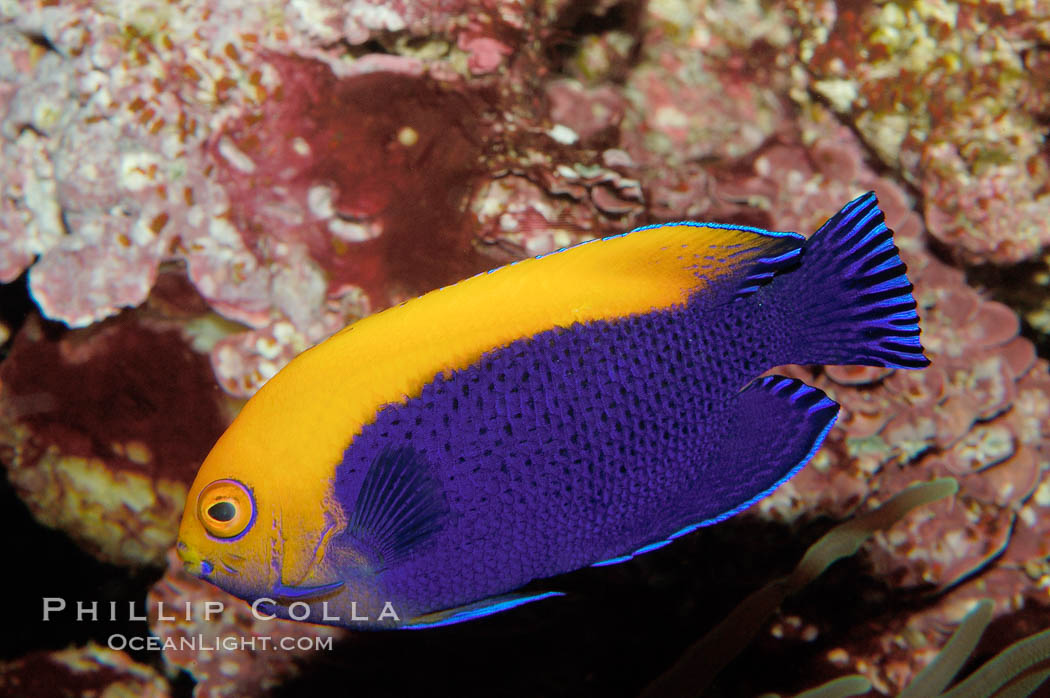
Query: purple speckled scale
point(585, 444)
point(556, 451)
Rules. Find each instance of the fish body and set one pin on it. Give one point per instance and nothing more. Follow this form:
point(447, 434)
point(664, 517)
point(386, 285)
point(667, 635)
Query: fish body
point(575, 409)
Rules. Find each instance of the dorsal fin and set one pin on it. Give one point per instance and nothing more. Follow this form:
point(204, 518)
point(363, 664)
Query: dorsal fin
point(765, 268)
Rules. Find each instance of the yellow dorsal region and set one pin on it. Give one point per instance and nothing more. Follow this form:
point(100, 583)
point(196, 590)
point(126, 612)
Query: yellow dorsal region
point(300, 422)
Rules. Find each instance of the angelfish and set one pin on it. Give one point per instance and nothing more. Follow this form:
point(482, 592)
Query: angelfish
point(579, 408)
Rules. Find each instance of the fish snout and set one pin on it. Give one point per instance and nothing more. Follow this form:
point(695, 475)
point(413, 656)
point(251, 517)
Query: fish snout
point(192, 561)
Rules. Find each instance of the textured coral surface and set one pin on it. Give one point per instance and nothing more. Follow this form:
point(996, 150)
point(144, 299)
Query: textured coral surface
point(97, 440)
point(953, 97)
point(88, 670)
point(192, 193)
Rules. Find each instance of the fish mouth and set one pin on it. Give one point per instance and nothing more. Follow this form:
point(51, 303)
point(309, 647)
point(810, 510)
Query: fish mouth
point(192, 562)
point(195, 564)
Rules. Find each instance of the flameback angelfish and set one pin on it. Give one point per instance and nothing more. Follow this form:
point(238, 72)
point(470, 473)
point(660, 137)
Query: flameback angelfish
point(575, 409)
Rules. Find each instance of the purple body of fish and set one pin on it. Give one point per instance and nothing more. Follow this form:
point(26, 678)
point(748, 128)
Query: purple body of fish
point(587, 445)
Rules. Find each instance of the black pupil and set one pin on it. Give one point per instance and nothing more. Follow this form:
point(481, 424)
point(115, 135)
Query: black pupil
point(222, 511)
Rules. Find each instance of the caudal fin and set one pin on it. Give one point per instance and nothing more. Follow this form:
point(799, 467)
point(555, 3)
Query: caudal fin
point(851, 296)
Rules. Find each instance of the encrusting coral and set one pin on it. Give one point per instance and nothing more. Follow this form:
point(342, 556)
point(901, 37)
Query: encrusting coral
point(88, 670)
point(1016, 672)
point(102, 429)
point(949, 95)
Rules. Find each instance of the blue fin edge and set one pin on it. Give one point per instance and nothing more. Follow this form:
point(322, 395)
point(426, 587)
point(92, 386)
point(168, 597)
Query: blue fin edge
point(778, 384)
point(478, 609)
point(722, 226)
point(691, 224)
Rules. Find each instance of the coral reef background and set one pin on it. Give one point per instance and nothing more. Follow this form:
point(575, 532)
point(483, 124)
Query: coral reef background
point(191, 193)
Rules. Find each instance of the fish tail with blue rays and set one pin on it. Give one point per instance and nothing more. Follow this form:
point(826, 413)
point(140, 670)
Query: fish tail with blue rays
point(851, 300)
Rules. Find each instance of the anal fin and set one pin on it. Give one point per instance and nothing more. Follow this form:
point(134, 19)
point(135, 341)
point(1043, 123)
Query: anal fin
point(478, 609)
point(775, 427)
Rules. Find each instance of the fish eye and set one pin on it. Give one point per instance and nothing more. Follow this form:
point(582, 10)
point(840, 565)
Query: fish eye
point(222, 511)
point(226, 509)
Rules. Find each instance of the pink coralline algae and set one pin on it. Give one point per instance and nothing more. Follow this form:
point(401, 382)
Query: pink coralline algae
point(91, 670)
point(951, 96)
point(378, 165)
point(255, 653)
point(515, 217)
point(299, 185)
point(706, 91)
point(219, 128)
point(102, 153)
point(116, 143)
point(593, 113)
point(102, 430)
point(980, 413)
point(480, 28)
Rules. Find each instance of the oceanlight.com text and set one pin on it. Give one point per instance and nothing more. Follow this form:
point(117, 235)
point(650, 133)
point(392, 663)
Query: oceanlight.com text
point(215, 643)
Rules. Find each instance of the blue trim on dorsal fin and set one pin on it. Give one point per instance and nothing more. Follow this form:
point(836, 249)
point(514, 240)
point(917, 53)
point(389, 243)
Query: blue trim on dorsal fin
point(399, 506)
point(723, 226)
point(478, 609)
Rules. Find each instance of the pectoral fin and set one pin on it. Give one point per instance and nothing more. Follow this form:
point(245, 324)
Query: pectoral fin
point(399, 506)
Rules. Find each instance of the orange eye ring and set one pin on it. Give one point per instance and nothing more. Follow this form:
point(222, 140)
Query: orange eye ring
point(226, 509)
